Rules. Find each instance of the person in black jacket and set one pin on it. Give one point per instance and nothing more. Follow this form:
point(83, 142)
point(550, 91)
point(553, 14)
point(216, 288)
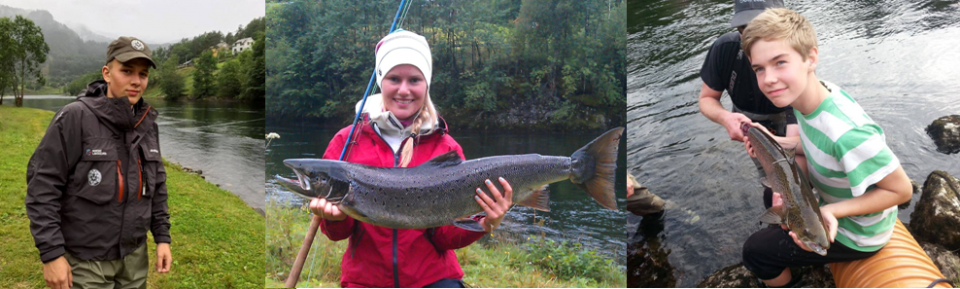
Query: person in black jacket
point(96, 182)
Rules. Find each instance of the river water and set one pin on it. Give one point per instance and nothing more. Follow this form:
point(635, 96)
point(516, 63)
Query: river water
point(574, 216)
point(223, 139)
point(898, 59)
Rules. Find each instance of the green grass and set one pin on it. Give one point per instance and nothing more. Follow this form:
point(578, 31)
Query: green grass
point(45, 90)
point(499, 262)
point(215, 234)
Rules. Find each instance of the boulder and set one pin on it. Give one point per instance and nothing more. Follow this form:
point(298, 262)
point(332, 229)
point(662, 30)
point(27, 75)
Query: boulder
point(936, 217)
point(946, 261)
point(647, 261)
point(945, 132)
point(736, 276)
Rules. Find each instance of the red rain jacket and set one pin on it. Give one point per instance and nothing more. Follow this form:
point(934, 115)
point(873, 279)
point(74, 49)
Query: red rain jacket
point(383, 257)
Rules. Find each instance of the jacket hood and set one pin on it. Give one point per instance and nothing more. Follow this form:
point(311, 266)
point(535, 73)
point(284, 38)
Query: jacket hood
point(115, 111)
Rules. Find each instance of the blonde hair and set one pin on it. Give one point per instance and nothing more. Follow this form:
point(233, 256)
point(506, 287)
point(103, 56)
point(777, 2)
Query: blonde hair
point(781, 24)
point(426, 115)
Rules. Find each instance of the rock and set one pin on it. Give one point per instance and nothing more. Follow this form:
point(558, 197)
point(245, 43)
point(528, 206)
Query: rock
point(647, 260)
point(946, 261)
point(945, 132)
point(736, 276)
point(916, 189)
point(938, 209)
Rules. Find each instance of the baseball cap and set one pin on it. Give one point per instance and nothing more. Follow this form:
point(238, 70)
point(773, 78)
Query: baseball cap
point(746, 10)
point(127, 48)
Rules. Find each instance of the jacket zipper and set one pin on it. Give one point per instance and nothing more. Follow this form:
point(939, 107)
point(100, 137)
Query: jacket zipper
point(120, 178)
point(396, 274)
point(140, 176)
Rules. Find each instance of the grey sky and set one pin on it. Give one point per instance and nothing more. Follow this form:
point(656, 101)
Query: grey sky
point(153, 21)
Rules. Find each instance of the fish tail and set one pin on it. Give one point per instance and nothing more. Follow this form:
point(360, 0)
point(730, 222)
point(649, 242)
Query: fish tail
point(595, 166)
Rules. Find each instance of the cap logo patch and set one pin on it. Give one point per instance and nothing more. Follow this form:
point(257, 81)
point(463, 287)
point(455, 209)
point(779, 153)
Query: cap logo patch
point(137, 45)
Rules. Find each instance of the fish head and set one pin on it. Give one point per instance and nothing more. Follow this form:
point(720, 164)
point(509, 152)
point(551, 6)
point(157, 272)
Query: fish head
point(318, 178)
point(745, 128)
point(812, 233)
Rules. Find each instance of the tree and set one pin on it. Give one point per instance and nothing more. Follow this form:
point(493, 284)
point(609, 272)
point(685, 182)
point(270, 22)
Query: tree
point(170, 80)
point(28, 51)
point(256, 72)
point(203, 82)
point(6, 55)
point(230, 79)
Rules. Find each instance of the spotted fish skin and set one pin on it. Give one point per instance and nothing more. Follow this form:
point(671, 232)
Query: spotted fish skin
point(441, 190)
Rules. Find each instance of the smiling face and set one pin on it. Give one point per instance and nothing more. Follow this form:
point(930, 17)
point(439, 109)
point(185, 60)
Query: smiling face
point(782, 73)
point(126, 79)
point(404, 91)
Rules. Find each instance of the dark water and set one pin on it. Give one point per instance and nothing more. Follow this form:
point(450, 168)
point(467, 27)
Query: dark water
point(223, 139)
point(574, 216)
point(898, 59)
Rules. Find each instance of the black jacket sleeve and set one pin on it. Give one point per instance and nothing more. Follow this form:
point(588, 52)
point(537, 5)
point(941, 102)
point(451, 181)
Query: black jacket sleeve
point(160, 221)
point(47, 175)
point(716, 68)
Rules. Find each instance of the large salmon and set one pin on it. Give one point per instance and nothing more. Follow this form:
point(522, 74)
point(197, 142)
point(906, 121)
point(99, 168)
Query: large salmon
point(441, 191)
point(801, 209)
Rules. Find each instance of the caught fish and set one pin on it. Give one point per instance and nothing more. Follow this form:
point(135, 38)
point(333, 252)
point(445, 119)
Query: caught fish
point(442, 190)
point(801, 209)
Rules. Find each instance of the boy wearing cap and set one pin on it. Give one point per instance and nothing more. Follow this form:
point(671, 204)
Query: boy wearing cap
point(96, 182)
point(726, 68)
point(858, 178)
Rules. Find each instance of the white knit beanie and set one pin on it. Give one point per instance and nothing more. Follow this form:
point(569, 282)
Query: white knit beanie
point(403, 47)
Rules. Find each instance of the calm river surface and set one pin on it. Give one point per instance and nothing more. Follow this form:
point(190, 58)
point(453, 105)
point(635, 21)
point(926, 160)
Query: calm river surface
point(898, 59)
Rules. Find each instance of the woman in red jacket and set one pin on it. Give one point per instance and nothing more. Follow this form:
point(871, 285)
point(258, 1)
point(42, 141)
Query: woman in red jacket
point(401, 128)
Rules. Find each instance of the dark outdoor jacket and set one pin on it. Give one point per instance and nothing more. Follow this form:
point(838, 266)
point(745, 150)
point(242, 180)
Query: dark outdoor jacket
point(96, 182)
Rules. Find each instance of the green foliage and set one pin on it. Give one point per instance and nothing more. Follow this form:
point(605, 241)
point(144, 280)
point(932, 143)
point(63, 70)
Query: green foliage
point(169, 79)
point(254, 87)
point(230, 80)
point(489, 58)
point(23, 51)
point(569, 261)
point(80, 84)
point(203, 82)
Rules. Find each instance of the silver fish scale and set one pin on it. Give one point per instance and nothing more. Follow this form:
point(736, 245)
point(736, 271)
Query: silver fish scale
point(430, 196)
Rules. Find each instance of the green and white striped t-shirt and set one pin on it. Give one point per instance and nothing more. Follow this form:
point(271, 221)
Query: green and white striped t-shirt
point(847, 155)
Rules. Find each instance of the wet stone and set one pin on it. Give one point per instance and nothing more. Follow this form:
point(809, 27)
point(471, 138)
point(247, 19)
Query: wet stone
point(936, 216)
point(945, 132)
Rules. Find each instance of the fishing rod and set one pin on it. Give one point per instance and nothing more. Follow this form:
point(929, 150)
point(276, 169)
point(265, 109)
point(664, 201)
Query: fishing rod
point(291, 281)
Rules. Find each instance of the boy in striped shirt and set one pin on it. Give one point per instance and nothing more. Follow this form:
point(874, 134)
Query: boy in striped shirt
point(859, 180)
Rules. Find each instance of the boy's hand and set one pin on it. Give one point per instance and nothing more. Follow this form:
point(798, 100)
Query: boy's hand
point(57, 273)
point(746, 139)
point(731, 121)
point(164, 258)
point(828, 219)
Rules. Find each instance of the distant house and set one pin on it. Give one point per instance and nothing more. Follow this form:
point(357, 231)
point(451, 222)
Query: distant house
point(222, 45)
point(242, 44)
point(217, 48)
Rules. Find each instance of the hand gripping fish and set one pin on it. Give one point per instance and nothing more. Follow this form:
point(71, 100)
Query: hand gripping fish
point(442, 190)
point(801, 209)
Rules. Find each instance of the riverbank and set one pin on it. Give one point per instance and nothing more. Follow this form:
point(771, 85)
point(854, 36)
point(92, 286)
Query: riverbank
point(213, 230)
point(495, 261)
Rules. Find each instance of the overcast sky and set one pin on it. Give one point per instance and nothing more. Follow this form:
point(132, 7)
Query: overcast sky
point(156, 21)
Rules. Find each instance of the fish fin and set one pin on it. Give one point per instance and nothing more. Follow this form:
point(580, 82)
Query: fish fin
point(469, 225)
point(450, 158)
point(774, 216)
point(765, 183)
point(539, 199)
point(791, 154)
point(596, 169)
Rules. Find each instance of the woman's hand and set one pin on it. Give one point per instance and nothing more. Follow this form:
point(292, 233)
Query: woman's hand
point(497, 207)
point(326, 210)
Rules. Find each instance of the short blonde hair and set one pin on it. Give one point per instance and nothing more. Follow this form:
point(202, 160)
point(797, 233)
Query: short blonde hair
point(781, 24)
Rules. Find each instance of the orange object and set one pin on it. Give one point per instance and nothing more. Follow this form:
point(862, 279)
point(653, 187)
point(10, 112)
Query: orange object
point(901, 263)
